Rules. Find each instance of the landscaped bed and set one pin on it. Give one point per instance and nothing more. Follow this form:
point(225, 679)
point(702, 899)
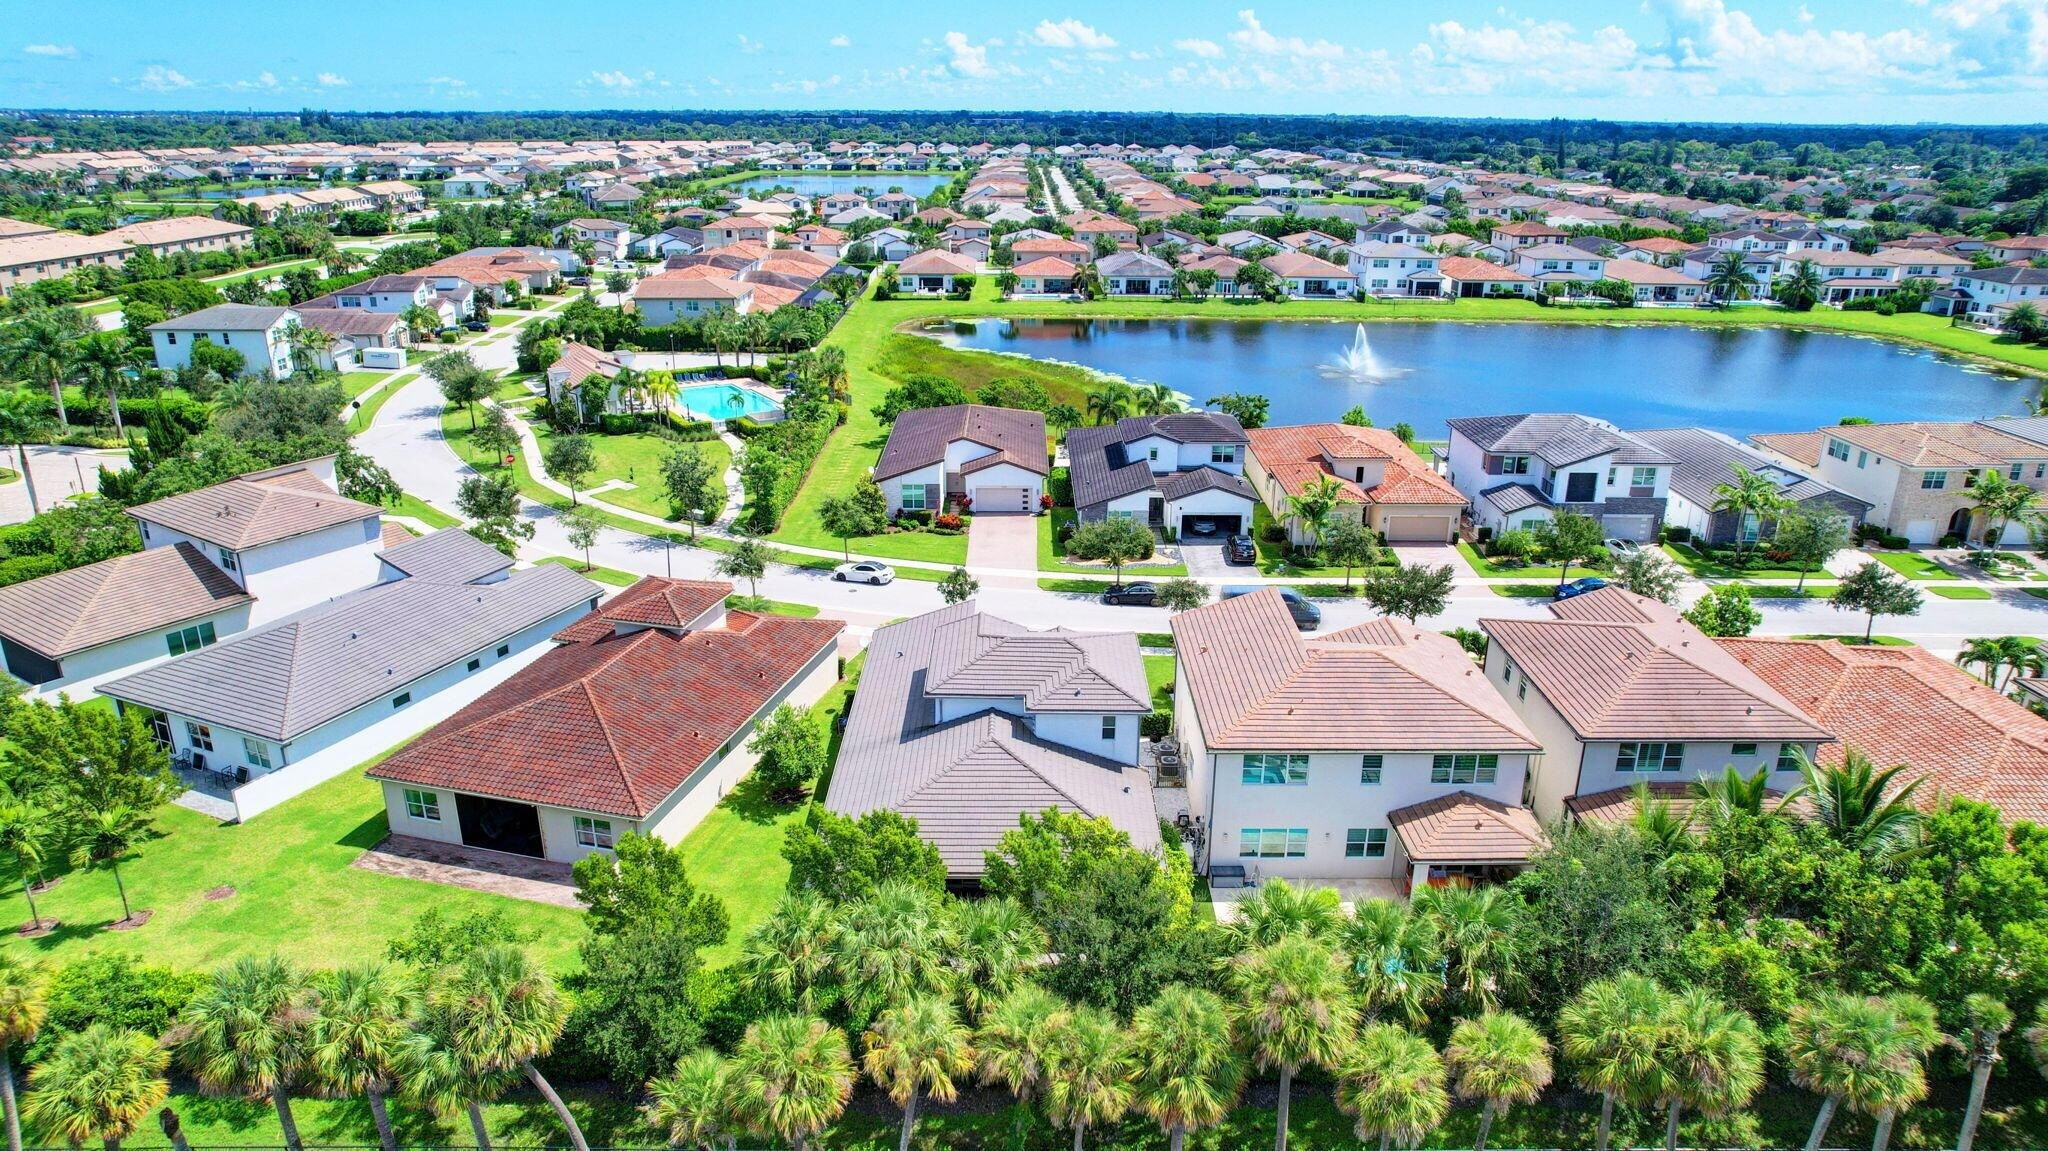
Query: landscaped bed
point(1704, 565)
point(1049, 559)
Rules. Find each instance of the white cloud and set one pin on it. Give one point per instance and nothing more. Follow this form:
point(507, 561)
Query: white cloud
point(1070, 33)
point(157, 78)
point(264, 81)
point(330, 80)
point(615, 79)
point(968, 59)
point(446, 82)
point(1207, 49)
point(1252, 36)
point(749, 45)
point(67, 51)
point(841, 41)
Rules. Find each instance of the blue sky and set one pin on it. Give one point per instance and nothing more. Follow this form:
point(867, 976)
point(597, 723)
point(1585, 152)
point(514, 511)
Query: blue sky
point(1970, 61)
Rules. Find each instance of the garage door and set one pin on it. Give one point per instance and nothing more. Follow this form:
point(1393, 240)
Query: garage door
point(1418, 529)
point(998, 501)
point(1218, 525)
point(1636, 528)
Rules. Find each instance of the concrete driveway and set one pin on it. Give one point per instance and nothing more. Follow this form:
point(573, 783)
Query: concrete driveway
point(1204, 558)
point(1009, 543)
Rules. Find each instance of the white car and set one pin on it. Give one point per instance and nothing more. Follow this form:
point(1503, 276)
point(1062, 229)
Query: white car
point(1622, 549)
point(865, 571)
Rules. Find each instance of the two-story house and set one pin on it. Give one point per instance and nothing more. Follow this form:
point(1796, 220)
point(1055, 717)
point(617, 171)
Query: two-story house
point(258, 332)
point(734, 229)
point(1163, 471)
point(1394, 269)
point(1382, 483)
point(1707, 459)
point(608, 237)
point(994, 458)
point(393, 295)
point(1621, 690)
point(1376, 752)
point(1985, 294)
point(1559, 263)
point(1517, 470)
point(1915, 476)
point(966, 722)
point(1844, 276)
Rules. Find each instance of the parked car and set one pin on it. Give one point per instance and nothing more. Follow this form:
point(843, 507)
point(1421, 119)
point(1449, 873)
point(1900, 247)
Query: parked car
point(1135, 594)
point(1307, 616)
point(578, 281)
point(1240, 550)
point(1202, 526)
point(1578, 587)
point(478, 325)
point(1623, 548)
point(864, 571)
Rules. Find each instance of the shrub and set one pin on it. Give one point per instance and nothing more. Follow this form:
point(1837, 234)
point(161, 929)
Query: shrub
point(1157, 725)
point(1951, 540)
point(1060, 486)
point(619, 424)
point(950, 522)
point(691, 431)
point(1677, 534)
point(1274, 534)
point(746, 427)
point(1896, 543)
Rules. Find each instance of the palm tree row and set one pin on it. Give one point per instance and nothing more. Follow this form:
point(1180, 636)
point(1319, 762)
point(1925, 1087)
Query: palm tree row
point(1116, 399)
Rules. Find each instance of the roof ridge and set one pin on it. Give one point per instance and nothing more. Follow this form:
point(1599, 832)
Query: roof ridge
point(100, 578)
point(1384, 653)
point(284, 702)
point(1301, 653)
point(604, 730)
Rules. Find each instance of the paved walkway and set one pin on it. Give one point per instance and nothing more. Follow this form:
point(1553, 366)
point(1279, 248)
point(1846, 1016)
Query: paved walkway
point(516, 876)
point(59, 472)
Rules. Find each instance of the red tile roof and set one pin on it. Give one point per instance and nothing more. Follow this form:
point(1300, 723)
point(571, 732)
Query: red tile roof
point(1294, 456)
point(652, 602)
point(1471, 268)
point(1465, 828)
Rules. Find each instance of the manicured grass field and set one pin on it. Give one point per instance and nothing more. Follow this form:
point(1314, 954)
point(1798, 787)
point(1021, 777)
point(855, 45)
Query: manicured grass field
point(1964, 592)
point(1159, 677)
point(1523, 590)
point(1277, 559)
point(367, 414)
point(1787, 591)
point(612, 577)
point(636, 458)
point(354, 384)
point(1912, 565)
point(1706, 567)
point(419, 509)
point(1856, 640)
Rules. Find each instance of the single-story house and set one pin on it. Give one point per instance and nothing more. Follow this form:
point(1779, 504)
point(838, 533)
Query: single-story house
point(1135, 274)
point(1706, 459)
point(1467, 276)
point(1044, 276)
point(1311, 277)
point(1655, 283)
point(994, 457)
point(932, 271)
point(664, 298)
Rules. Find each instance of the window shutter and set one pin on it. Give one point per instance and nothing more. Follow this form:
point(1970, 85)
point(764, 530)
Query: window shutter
point(1493, 465)
point(931, 497)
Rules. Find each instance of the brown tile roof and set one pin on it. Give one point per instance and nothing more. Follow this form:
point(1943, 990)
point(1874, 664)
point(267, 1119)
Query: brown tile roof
point(1300, 264)
point(1472, 268)
point(1528, 228)
point(920, 436)
point(1805, 447)
point(984, 657)
point(1616, 677)
point(1661, 245)
point(1294, 456)
point(1465, 828)
point(1905, 705)
point(1380, 686)
point(1049, 246)
point(665, 286)
point(1045, 267)
point(1618, 804)
point(256, 509)
point(68, 612)
point(1643, 272)
point(651, 602)
point(615, 725)
point(175, 229)
point(581, 361)
point(1938, 445)
point(933, 262)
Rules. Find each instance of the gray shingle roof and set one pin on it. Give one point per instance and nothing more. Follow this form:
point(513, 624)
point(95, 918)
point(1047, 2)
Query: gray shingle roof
point(1511, 498)
point(1559, 438)
point(71, 611)
point(1101, 472)
point(1096, 465)
point(968, 781)
point(1706, 459)
point(222, 318)
point(1180, 485)
point(920, 437)
point(983, 657)
point(289, 677)
point(1185, 428)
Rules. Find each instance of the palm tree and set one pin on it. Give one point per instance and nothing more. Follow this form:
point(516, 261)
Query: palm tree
point(39, 346)
point(1477, 926)
point(793, 1074)
point(1087, 1072)
point(890, 946)
point(1984, 1020)
point(660, 388)
point(1658, 821)
point(1727, 281)
point(2024, 322)
point(1919, 1033)
point(1294, 1009)
point(2003, 659)
point(508, 1013)
point(1393, 1080)
point(23, 1004)
point(1732, 792)
point(997, 939)
point(1157, 400)
point(1276, 910)
point(105, 837)
point(1800, 290)
point(1853, 1050)
point(437, 1076)
point(1749, 494)
point(917, 1047)
point(1499, 1059)
point(1713, 1059)
point(1614, 1034)
point(25, 832)
point(1314, 506)
point(1397, 959)
point(2002, 501)
point(693, 1103)
point(362, 1019)
point(1015, 1039)
point(99, 1083)
point(1188, 1076)
point(790, 953)
point(1860, 807)
point(101, 363)
point(245, 1033)
point(1111, 402)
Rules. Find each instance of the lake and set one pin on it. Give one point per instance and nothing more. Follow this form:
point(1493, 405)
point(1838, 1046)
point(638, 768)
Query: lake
point(1735, 379)
point(826, 183)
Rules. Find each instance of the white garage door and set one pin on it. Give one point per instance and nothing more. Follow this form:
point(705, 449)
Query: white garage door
point(1636, 528)
point(1418, 529)
point(999, 501)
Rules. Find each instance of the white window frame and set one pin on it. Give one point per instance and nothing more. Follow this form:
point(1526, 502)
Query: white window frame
point(1933, 481)
point(1638, 758)
point(910, 505)
point(256, 752)
point(199, 735)
point(1274, 769)
point(422, 805)
point(594, 832)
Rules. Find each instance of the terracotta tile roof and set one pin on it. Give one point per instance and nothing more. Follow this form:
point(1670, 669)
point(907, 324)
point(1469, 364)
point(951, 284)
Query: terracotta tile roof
point(256, 509)
point(651, 602)
point(1642, 272)
point(664, 286)
point(1300, 265)
point(1382, 686)
point(1618, 804)
point(1528, 228)
point(1905, 705)
point(1294, 455)
point(175, 229)
point(581, 361)
point(70, 611)
point(934, 262)
point(1938, 445)
point(1617, 666)
point(1049, 246)
point(615, 725)
point(919, 437)
point(1662, 245)
point(1475, 269)
point(1804, 447)
point(1465, 828)
point(1045, 267)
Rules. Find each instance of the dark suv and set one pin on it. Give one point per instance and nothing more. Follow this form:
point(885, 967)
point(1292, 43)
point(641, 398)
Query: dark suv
point(1240, 550)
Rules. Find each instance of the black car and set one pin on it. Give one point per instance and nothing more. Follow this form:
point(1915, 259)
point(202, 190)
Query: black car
point(478, 325)
point(1240, 550)
point(1137, 594)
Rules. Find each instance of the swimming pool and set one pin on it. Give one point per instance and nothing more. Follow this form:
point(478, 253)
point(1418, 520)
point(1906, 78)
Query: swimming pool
point(724, 402)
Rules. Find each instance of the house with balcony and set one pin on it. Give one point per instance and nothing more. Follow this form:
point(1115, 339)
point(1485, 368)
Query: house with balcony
point(993, 458)
point(1621, 690)
point(609, 238)
point(1985, 295)
point(1378, 756)
point(1915, 476)
point(965, 722)
point(1518, 470)
point(637, 720)
point(1382, 484)
point(1394, 269)
point(1844, 276)
point(1163, 471)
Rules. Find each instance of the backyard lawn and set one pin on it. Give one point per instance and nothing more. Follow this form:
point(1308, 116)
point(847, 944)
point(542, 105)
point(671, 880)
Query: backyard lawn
point(1913, 565)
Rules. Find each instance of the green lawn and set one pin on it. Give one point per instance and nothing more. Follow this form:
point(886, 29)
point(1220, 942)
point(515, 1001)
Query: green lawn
point(419, 509)
point(1912, 565)
point(636, 457)
point(1159, 677)
point(354, 384)
point(502, 319)
point(1277, 559)
point(598, 572)
point(761, 603)
point(294, 890)
point(1051, 561)
point(1491, 570)
point(1523, 590)
point(1964, 592)
point(367, 414)
point(1787, 591)
point(1706, 567)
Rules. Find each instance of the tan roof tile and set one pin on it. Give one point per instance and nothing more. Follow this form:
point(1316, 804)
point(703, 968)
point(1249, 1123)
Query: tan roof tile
point(71, 611)
point(1465, 828)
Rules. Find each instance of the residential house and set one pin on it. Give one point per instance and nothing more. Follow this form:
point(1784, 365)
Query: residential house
point(1307, 277)
point(1984, 294)
point(1225, 267)
point(1666, 251)
point(1044, 276)
point(621, 194)
point(258, 332)
point(638, 721)
point(891, 245)
point(1025, 249)
point(1299, 765)
point(195, 234)
point(1620, 690)
point(995, 458)
point(1134, 274)
point(677, 241)
point(478, 185)
point(1707, 459)
point(64, 631)
point(28, 257)
point(295, 702)
point(1655, 284)
point(1924, 264)
point(2019, 248)
point(350, 331)
point(1392, 231)
point(1915, 476)
point(1163, 471)
point(1471, 277)
point(734, 229)
point(1394, 269)
point(966, 723)
point(1549, 263)
point(931, 271)
point(1381, 482)
point(608, 237)
point(1089, 227)
point(1521, 234)
point(395, 196)
point(666, 297)
point(1518, 470)
point(838, 202)
point(1844, 275)
point(821, 240)
point(895, 205)
point(1760, 266)
point(578, 363)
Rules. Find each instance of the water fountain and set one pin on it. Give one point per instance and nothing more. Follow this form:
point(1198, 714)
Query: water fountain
point(1357, 362)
